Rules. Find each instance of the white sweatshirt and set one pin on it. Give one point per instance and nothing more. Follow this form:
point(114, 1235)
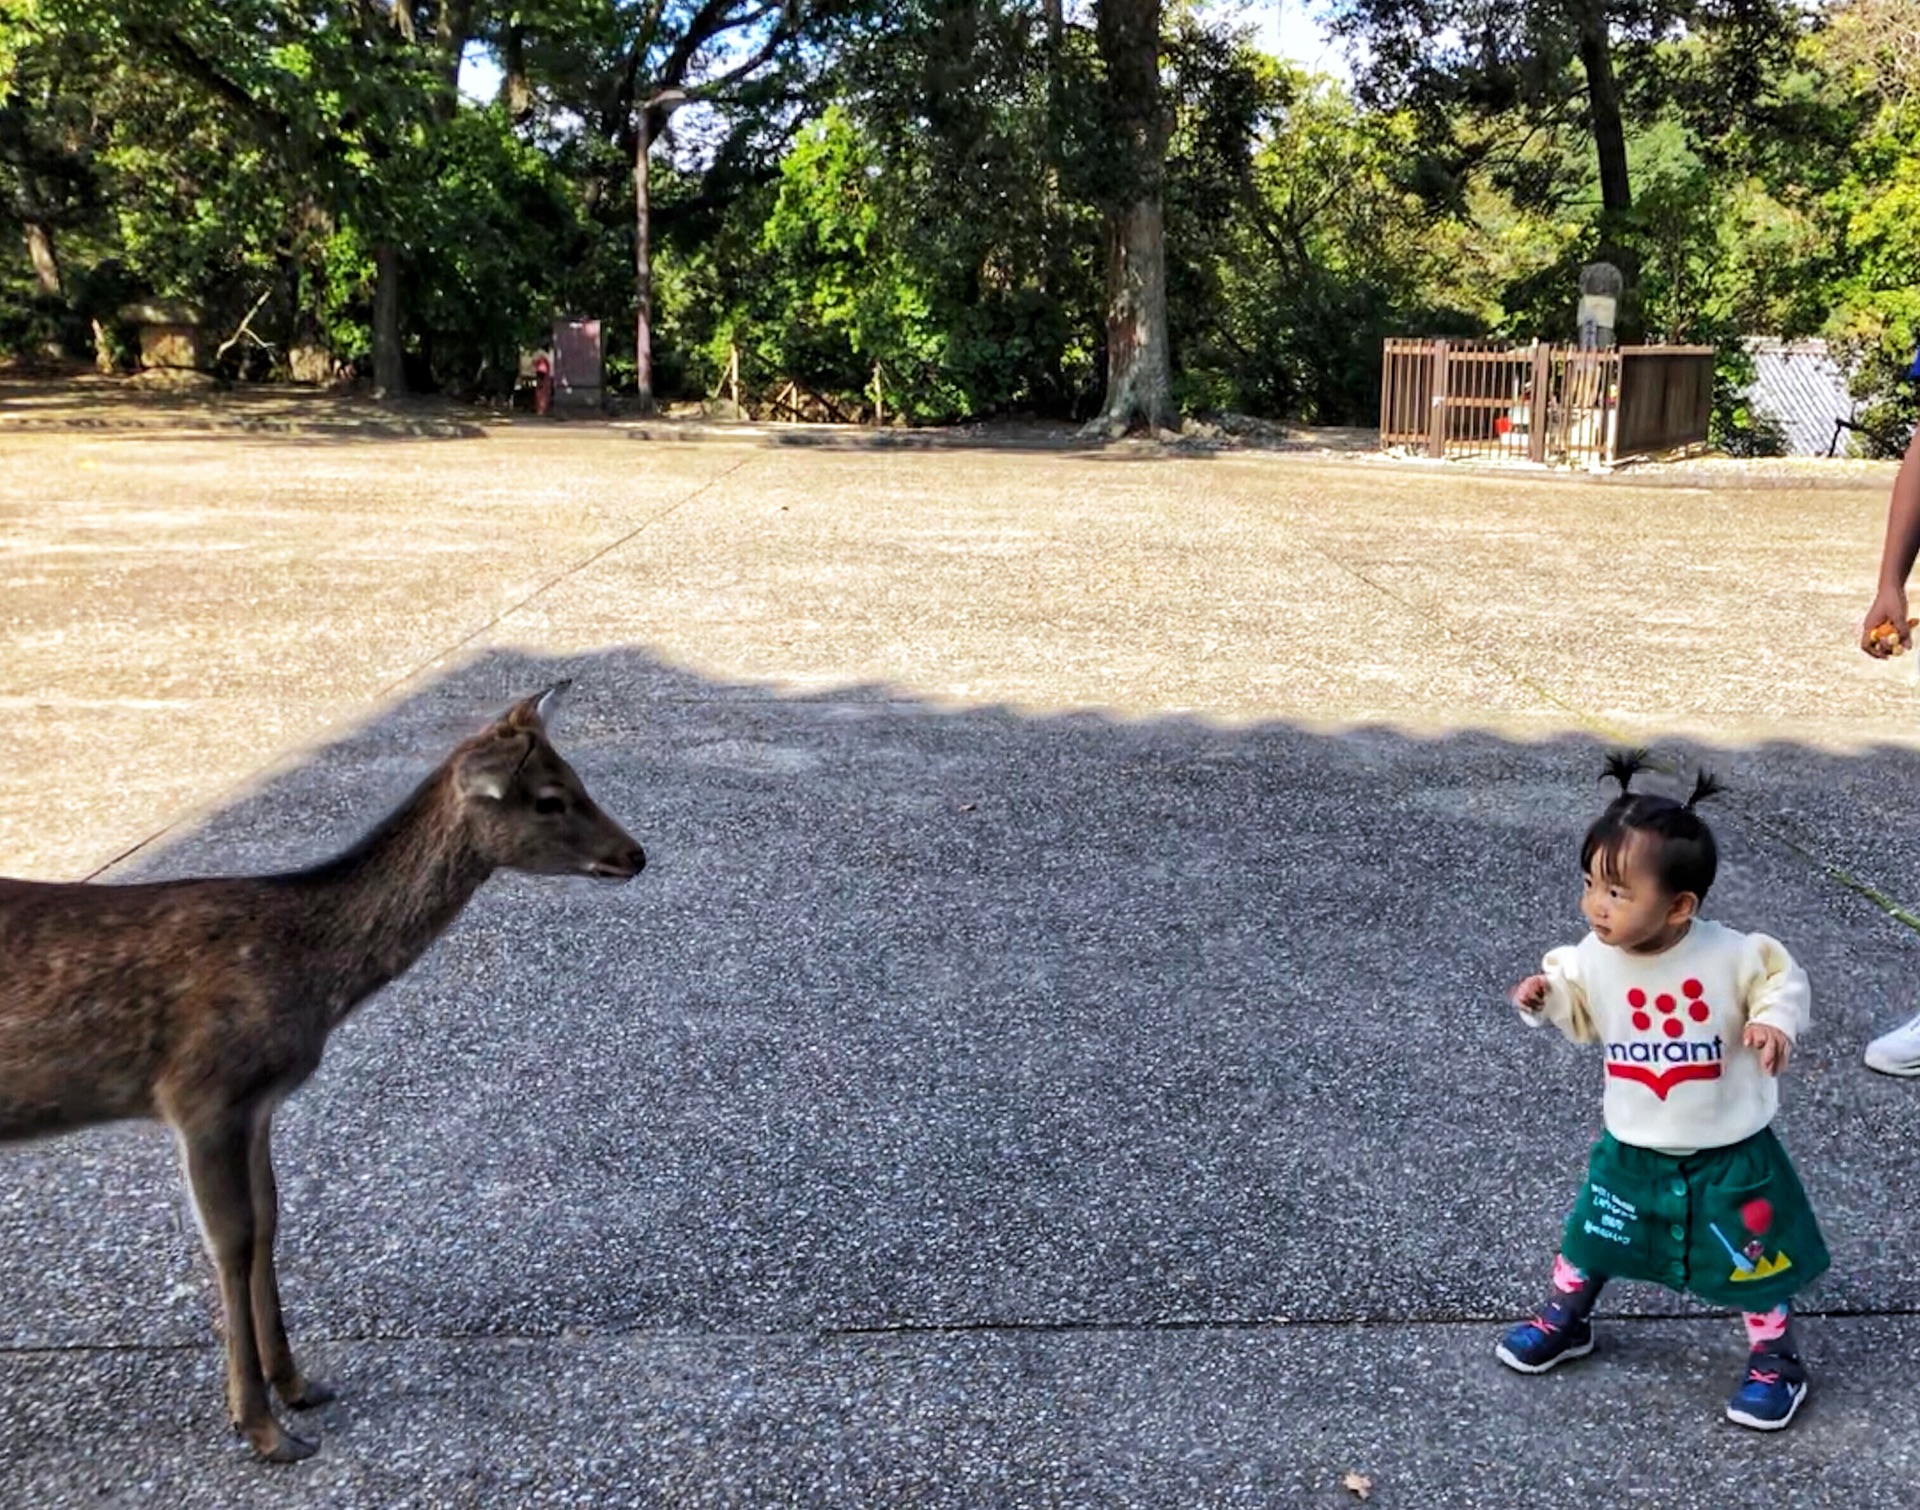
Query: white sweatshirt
point(1678, 1077)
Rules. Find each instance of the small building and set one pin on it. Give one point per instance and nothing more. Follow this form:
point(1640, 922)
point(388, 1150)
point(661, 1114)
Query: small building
point(1801, 387)
point(171, 333)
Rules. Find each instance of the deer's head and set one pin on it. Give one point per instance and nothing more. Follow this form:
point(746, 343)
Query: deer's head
point(526, 807)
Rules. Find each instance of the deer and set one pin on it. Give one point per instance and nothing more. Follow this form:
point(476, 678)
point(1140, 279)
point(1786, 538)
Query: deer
point(204, 1003)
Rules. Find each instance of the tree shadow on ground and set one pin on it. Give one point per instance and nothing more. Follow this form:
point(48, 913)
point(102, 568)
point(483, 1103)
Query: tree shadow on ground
point(93, 406)
point(939, 1017)
point(104, 406)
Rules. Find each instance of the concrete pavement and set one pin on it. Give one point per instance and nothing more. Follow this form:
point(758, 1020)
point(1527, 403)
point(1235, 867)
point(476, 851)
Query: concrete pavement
point(1055, 1055)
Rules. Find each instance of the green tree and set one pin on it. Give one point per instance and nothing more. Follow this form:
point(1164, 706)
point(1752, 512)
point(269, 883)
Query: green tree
point(986, 121)
point(47, 174)
point(625, 68)
point(925, 224)
point(315, 116)
point(1872, 208)
point(1553, 65)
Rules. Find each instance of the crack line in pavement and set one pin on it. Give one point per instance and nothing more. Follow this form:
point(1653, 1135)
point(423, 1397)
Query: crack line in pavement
point(433, 660)
point(1595, 724)
point(1280, 1323)
point(911, 1329)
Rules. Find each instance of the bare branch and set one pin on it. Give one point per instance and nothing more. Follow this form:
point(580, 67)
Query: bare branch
point(706, 89)
point(649, 28)
point(245, 327)
point(673, 91)
point(713, 19)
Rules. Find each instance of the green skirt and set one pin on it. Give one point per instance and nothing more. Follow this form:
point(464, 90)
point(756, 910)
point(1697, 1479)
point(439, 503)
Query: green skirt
point(1731, 1224)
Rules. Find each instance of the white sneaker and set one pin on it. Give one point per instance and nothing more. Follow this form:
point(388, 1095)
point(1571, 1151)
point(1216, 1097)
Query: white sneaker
point(1898, 1052)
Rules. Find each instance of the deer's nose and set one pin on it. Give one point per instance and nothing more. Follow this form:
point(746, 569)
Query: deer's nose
point(619, 864)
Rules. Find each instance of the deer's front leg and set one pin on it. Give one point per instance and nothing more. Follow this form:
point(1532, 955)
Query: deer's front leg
point(276, 1353)
point(217, 1169)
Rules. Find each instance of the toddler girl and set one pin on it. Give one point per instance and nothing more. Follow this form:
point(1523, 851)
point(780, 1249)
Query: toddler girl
point(1687, 1187)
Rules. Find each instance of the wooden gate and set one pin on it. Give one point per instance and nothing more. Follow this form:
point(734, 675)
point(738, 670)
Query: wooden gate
point(1543, 403)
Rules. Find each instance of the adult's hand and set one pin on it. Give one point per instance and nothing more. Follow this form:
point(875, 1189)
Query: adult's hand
point(1889, 608)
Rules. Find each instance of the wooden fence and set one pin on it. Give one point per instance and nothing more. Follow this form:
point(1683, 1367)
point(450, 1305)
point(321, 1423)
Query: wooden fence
point(1543, 403)
point(1666, 399)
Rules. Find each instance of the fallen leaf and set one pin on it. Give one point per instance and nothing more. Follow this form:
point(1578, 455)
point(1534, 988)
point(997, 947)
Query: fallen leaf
point(1356, 1484)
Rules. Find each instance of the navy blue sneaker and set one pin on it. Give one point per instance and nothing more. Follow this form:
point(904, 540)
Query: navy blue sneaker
point(1557, 1332)
point(1770, 1392)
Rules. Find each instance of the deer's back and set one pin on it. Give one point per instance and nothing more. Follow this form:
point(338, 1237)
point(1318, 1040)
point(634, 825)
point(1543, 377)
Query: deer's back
point(116, 1000)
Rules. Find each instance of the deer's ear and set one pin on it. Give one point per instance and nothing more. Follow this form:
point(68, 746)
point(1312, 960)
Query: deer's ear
point(536, 710)
point(488, 769)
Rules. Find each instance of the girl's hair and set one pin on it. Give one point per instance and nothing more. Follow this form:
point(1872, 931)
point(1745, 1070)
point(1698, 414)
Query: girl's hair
point(1683, 854)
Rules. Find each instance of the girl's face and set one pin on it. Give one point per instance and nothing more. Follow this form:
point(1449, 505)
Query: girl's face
point(1627, 907)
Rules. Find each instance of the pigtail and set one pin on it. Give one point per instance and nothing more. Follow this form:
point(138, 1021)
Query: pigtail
point(1622, 767)
point(1659, 830)
point(1705, 785)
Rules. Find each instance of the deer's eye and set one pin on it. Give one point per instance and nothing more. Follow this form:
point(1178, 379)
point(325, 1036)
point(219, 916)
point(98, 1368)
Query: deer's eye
point(549, 805)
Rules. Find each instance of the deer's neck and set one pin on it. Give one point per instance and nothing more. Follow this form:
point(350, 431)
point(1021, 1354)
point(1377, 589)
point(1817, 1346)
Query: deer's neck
point(377, 907)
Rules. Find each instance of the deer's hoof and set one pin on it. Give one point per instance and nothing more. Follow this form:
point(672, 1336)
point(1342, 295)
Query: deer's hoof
point(305, 1393)
point(281, 1446)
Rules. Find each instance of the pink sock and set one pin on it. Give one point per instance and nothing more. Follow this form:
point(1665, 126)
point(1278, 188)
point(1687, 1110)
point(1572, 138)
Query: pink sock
point(1762, 1326)
point(1567, 1278)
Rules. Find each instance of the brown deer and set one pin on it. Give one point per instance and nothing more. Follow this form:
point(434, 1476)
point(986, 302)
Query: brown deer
point(204, 1003)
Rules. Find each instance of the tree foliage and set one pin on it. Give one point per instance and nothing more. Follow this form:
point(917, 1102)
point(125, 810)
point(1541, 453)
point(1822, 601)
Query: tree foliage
point(911, 203)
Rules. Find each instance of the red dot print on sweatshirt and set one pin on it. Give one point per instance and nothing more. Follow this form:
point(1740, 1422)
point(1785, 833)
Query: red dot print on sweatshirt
point(1665, 1002)
point(1637, 999)
point(1697, 1009)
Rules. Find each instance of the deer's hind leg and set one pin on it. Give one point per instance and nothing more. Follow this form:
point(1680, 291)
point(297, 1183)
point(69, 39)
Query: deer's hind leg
point(217, 1168)
point(276, 1353)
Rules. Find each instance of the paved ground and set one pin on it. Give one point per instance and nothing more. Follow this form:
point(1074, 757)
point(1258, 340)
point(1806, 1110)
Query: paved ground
point(1055, 1055)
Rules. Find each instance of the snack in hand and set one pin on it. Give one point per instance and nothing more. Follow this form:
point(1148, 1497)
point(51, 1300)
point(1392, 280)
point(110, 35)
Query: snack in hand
point(1890, 633)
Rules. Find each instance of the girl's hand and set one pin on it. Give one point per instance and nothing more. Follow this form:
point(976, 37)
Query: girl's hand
point(1773, 1046)
point(1531, 994)
point(1889, 607)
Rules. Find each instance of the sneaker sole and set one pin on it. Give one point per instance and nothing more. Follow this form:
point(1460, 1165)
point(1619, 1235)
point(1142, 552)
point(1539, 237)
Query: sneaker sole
point(1578, 1350)
point(1755, 1423)
point(1906, 1069)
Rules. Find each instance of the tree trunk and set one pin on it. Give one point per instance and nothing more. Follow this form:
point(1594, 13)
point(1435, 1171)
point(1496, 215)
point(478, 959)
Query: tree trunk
point(1603, 105)
point(1058, 238)
point(46, 265)
point(452, 30)
point(389, 367)
point(516, 90)
point(1139, 378)
point(1617, 240)
point(642, 262)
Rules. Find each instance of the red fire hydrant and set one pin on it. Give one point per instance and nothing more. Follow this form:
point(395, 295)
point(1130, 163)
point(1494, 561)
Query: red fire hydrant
point(542, 385)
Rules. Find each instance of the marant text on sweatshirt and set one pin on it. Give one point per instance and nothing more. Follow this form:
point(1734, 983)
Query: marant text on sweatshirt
point(1679, 1078)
